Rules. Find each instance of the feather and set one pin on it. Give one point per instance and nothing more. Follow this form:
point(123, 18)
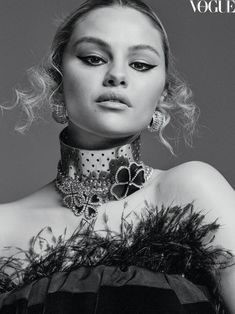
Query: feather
point(172, 240)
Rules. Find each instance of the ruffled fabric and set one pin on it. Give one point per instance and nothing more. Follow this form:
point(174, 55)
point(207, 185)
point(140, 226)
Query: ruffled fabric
point(108, 290)
point(160, 266)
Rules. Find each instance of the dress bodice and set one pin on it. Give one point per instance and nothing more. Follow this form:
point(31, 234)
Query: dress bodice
point(162, 266)
point(108, 290)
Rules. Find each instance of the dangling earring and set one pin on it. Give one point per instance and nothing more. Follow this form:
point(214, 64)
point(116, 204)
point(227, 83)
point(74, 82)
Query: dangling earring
point(156, 122)
point(59, 113)
point(158, 117)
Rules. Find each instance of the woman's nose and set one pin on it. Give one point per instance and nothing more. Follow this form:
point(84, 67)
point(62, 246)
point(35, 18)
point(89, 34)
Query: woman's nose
point(116, 76)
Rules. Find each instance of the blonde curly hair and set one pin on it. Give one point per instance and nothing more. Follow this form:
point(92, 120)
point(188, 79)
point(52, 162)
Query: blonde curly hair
point(46, 79)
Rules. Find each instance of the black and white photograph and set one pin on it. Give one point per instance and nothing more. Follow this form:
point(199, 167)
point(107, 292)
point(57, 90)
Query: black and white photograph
point(117, 157)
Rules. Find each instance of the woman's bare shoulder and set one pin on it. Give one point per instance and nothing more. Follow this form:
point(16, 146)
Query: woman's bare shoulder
point(45, 196)
point(189, 172)
point(199, 174)
point(184, 182)
point(28, 214)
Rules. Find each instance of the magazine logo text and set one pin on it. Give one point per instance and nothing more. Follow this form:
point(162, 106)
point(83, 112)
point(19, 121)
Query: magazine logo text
point(213, 6)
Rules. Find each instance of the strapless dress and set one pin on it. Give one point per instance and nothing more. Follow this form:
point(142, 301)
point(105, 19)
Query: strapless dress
point(163, 266)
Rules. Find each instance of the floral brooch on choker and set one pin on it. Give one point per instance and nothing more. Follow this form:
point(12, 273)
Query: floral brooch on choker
point(128, 179)
point(85, 195)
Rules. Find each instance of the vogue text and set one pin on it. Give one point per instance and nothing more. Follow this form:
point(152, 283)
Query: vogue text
point(213, 6)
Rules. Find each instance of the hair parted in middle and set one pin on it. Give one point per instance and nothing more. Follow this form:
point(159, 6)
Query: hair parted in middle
point(47, 78)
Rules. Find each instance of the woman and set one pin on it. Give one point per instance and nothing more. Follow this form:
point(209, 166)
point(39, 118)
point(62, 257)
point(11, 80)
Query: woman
point(109, 76)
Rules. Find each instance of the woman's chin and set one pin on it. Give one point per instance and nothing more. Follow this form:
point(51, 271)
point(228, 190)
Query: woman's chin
point(114, 133)
point(107, 129)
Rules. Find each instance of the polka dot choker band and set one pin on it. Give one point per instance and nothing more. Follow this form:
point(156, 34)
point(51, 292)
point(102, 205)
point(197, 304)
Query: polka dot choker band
point(88, 178)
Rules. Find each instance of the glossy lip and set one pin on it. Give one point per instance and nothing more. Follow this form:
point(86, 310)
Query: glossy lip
point(114, 99)
point(108, 104)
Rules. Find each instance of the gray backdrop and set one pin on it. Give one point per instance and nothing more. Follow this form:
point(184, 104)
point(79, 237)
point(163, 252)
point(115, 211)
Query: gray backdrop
point(204, 47)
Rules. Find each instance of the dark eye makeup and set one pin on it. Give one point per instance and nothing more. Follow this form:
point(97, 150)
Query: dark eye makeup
point(142, 66)
point(93, 60)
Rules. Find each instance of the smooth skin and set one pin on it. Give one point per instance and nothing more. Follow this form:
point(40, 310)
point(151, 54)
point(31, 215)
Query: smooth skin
point(118, 49)
point(101, 58)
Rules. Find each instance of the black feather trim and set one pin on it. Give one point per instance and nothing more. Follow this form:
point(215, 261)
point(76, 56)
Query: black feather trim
point(172, 240)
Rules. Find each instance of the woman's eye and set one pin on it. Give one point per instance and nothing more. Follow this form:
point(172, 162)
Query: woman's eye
point(141, 66)
point(92, 60)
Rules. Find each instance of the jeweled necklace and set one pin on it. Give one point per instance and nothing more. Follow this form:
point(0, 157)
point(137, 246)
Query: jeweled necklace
point(88, 178)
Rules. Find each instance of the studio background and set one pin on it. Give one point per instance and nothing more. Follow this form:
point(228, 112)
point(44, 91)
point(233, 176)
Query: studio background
point(203, 45)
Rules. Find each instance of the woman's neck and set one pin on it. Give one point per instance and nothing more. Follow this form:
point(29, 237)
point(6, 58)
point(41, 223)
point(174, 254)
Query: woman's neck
point(85, 161)
point(87, 178)
point(76, 137)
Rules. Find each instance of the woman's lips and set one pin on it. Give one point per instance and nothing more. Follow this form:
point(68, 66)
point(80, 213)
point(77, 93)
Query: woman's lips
point(112, 104)
point(116, 99)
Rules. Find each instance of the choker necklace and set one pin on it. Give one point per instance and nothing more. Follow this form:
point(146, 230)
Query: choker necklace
point(88, 178)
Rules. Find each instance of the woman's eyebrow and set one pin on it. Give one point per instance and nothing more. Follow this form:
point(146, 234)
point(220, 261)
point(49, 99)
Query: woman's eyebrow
point(144, 47)
point(105, 45)
point(92, 40)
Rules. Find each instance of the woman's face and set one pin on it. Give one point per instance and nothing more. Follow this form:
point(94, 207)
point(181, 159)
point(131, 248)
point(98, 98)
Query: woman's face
point(113, 72)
